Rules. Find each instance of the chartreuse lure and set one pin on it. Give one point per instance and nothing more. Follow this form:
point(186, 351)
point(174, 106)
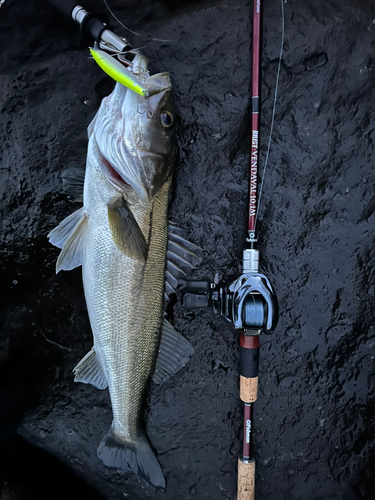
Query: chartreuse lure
point(118, 72)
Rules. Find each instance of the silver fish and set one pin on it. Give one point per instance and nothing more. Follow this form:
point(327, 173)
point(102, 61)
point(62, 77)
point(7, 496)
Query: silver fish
point(120, 237)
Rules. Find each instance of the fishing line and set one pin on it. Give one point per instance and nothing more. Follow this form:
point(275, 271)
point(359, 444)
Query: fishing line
point(274, 107)
point(131, 31)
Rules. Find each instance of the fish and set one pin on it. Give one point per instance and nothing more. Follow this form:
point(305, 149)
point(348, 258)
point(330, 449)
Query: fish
point(131, 258)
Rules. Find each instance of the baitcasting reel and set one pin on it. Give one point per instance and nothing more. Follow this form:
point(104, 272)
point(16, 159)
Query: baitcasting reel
point(247, 301)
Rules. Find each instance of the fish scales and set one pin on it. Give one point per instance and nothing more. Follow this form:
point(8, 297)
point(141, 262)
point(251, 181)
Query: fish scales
point(125, 318)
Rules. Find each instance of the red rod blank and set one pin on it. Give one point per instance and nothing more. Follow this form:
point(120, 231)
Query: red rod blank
point(255, 99)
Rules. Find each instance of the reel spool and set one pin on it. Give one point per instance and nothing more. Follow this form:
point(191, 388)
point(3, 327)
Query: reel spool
point(254, 311)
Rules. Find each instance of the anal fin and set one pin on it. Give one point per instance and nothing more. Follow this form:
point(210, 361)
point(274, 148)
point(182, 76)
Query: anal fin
point(90, 371)
point(174, 352)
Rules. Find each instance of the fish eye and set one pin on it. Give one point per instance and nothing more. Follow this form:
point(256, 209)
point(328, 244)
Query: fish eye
point(166, 119)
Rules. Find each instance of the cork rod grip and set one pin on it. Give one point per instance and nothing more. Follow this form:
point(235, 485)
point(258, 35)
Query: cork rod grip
point(246, 480)
point(249, 367)
point(248, 389)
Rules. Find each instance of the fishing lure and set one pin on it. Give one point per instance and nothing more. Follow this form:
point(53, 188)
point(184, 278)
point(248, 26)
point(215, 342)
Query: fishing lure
point(118, 72)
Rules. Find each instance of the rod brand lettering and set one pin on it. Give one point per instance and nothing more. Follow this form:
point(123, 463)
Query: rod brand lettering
point(253, 174)
point(248, 430)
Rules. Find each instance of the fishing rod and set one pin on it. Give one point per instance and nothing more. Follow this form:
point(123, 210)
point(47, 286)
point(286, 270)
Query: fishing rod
point(247, 301)
point(94, 26)
point(113, 53)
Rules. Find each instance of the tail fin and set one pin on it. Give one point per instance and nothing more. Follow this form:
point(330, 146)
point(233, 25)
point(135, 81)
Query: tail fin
point(136, 456)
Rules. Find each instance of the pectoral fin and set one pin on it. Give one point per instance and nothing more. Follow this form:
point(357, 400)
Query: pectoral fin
point(126, 233)
point(174, 352)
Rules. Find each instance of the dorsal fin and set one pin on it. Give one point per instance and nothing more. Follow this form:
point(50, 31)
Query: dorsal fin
point(174, 352)
point(182, 256)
